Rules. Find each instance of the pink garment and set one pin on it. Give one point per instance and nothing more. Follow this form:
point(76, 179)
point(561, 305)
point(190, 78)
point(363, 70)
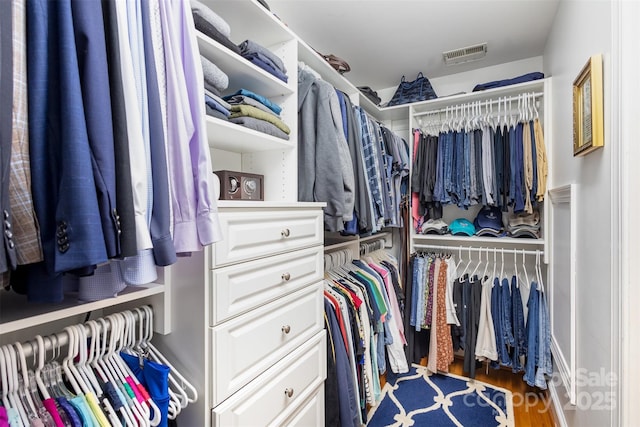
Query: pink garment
point(50, 404)
point(415, 201)
point(134, 387)
point(393, 300)
point(4, 419)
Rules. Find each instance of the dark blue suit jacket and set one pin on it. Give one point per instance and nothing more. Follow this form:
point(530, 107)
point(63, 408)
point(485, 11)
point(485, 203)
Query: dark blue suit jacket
point(88, 25)
point(63, 185)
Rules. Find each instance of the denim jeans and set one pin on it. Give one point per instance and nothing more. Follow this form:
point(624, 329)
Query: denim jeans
point(507, 327)
point(465, 190)
point(438, 190)
point(520, 348)
point(466, 300)
point(532, 328)
point(498, 168)
point(519, 173)
point(544, 345)
point(418, 283)
point(448, 167)
point(496, 311)
point(513, 163)
point(460, 169)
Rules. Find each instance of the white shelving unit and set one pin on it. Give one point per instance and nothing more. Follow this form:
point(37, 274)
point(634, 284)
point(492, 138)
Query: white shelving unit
point(420, 109)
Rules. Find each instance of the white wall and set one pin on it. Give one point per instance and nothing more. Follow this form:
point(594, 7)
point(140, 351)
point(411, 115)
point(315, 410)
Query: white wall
point(582, 29)
point(464, 82)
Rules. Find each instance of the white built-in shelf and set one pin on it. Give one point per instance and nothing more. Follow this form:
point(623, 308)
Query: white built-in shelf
point(249, 20)
point(309, 56)
point(233, 137)
point(242, 73)
point(505, 91)
point(448, 239)
point(16, 313)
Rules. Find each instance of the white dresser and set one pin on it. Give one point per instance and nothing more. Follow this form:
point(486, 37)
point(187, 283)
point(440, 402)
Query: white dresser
point(248, 322)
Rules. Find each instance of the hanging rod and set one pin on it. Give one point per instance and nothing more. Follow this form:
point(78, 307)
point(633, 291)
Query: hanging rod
point(481, 102)
point(60, 339)
point(479, 249)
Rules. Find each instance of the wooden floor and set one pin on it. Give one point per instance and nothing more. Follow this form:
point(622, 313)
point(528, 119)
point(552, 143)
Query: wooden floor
point(531, 406)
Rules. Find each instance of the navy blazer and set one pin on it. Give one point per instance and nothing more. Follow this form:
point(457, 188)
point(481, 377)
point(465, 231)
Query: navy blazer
point(88, 26)
point(63, 185)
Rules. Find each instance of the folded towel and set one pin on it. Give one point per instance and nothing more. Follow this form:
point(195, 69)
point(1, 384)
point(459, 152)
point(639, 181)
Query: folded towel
point(214, 76)
point(249, 46)
point(260, 126)
point(272, 105)
point(267, 67)
point(245, 100)
point(216, 105)
point(249, 111)
point(205, 27)
point(212, 18)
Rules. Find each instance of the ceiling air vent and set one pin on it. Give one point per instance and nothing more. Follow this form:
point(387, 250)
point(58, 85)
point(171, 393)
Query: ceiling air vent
point(465, 54)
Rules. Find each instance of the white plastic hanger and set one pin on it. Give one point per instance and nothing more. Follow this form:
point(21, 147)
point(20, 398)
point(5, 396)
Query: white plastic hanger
point(96, 354)
point(114, 359)
point(128, 322)
point(6, 383)
point(184, 385)
point(478, 264)
point(539, 272)
point(12, 377)
point(23, 385)
point(109, 371)
point(486, 266)
point(524, 269)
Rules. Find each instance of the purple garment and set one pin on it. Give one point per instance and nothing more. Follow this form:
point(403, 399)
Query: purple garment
point(195, 211)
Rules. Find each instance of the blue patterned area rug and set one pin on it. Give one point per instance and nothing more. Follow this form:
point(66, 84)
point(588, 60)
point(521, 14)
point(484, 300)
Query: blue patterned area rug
point(419, 398)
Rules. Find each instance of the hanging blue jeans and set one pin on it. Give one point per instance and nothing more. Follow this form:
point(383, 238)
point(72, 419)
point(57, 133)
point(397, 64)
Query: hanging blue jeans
point(498, 325)
point(520, 347)
point(532, 335)
point(544, 345)
point(507, 327)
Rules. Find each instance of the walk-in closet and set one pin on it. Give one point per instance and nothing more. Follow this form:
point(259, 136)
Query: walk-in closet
point(319, 213)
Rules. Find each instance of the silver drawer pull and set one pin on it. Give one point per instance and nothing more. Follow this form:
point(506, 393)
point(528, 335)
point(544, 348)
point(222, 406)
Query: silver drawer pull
point(286, 329)
point(288, 391)
point(285, 233)
point(286, 277)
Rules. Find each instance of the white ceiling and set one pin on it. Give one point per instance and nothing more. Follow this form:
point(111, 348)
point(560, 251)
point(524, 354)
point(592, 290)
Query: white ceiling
point(383, 40)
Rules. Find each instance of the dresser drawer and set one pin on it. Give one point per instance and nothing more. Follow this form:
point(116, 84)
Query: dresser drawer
point(239, 288)
point(260, 232)
point(310, 413)
point(245, 346)
point(274, 396)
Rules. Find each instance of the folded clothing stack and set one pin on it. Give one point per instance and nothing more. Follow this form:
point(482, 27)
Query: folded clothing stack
point(211, 24)
point(435, 226)
point(215, 80)
point(257, 112)
point(524, 225)
point(263, 58)
point(216, 106)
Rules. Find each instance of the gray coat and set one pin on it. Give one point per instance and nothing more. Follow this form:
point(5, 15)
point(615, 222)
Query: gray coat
point(325, 172)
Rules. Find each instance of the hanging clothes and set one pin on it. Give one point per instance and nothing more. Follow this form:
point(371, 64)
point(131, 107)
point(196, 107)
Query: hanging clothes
point(369, 326)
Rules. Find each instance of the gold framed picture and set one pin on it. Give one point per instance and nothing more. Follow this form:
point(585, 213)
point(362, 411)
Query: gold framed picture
point(588, 120)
